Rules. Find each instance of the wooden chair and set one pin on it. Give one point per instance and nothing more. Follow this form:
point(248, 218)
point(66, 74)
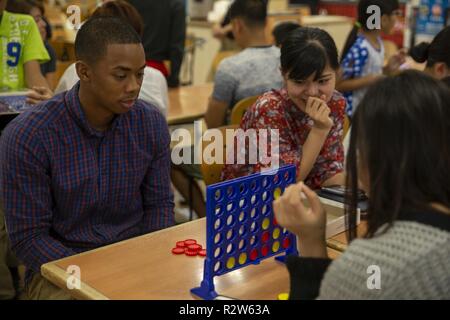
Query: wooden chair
point(211, 172)
point(240, 108)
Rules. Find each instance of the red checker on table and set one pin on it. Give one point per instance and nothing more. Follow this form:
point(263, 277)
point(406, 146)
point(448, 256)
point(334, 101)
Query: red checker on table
point(188, 242)
point(190, 253)
point(194, 247)
point(177, 250)
point(180, 244)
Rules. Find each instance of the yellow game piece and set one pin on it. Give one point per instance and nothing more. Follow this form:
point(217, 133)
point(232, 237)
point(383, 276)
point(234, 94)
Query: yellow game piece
point(242, 258)
point(230, 263)
point(276, 246)
point(283, 296)
point(277, 193)
point(276, 233)
point(266, 223)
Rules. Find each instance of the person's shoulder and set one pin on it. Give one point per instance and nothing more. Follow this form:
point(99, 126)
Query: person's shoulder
point(19, 17)
point(337, 102)
point(24, 21)
point(358, 49)
point(269, 103)
point(37, 119)
point(153, 73)
point(146, 112)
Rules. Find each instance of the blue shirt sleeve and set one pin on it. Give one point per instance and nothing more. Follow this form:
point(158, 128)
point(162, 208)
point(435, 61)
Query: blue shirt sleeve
point(354, 61)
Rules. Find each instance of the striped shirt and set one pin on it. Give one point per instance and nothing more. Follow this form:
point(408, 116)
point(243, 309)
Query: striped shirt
point(68, 188)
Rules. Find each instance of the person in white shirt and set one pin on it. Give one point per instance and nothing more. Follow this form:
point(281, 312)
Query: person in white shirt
point(154, 86)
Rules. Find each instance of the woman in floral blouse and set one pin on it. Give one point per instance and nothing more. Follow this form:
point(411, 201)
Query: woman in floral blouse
point(308, 113)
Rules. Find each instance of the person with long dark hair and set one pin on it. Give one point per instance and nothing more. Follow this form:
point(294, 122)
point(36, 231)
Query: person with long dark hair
point(399, 153)
point(363, 57)
point(436, 54)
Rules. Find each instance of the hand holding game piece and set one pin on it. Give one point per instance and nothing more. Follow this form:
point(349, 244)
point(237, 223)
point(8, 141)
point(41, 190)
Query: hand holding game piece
point(309, 224)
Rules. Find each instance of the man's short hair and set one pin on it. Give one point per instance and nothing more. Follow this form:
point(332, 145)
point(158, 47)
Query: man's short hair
point(253, 12)
point(97, 33)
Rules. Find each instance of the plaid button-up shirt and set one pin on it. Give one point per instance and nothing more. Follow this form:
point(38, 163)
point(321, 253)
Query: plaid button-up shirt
point(68, 188)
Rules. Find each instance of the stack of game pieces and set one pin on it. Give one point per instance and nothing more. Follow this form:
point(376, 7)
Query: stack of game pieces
point(189, 247)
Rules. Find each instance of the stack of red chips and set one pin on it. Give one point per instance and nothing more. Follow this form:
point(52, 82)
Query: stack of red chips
point(189, 247)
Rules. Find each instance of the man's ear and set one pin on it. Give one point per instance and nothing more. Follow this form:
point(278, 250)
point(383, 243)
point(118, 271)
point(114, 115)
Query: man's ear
point(237, 25)
point(440, 70)
point(83, 71)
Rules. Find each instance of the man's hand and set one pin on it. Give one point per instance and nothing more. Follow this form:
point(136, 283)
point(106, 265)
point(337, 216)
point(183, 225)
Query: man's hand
point(39, 94)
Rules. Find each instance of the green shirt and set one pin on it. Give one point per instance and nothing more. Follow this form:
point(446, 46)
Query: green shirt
point(20, 42)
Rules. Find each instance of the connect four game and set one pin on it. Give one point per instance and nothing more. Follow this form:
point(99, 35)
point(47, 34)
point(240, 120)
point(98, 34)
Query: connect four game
point(240, 225)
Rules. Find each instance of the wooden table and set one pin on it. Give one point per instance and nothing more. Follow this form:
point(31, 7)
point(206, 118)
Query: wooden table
point(339, 242)
point(188, 103)
point(145, 268)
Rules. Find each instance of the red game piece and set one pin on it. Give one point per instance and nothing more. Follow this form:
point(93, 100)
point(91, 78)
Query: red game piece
point(188, 242)
point(253, 254)
point(190, 253)
point(265, 251)
point(177, 250)
point(180, 244)
point(194, 247)
point(265, 236)
point(202, 253)
point(286, 243)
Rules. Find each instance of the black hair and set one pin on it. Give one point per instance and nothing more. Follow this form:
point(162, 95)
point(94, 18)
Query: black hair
point(253, 12)
point(307, 51)
point(387, 7)
point(97, 33)
point(436, 51)
point(446, 81)
point(400, 135)
point(282, 30)
point(19, 6)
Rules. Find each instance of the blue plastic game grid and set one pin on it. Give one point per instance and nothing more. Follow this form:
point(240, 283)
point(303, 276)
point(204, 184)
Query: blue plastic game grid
point(240, 225)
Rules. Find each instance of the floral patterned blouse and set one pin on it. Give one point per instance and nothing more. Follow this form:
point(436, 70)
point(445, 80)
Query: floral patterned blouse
point(275, 110)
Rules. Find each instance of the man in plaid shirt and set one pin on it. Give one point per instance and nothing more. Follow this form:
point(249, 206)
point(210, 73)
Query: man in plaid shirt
point(92, 165)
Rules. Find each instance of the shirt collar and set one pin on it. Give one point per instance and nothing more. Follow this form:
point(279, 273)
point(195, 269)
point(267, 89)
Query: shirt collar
point(72, 102)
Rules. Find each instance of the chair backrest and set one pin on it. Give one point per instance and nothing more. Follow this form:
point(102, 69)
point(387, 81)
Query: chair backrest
point(239, 109)
point(211, 172)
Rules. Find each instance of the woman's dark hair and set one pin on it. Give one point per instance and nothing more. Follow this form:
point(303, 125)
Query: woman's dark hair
point(436, 51)
point(123, 10)
point(282, 30)
point(386, 7)
point(400, 135)
point(307, 51)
